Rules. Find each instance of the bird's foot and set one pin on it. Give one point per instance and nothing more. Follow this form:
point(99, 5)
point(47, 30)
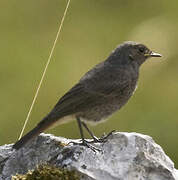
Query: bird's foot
point(102, 139)
point(86, 144)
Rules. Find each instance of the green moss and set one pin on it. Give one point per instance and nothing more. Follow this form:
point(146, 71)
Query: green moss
point(48, 172)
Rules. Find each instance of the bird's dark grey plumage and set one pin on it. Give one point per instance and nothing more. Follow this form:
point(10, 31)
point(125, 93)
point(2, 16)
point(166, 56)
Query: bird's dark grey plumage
point(100, 92)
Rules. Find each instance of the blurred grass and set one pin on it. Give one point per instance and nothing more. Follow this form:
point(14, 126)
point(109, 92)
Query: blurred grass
point(91, 30)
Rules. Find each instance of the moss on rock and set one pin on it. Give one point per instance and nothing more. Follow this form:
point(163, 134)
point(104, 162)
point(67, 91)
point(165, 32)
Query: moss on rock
point(48, 172)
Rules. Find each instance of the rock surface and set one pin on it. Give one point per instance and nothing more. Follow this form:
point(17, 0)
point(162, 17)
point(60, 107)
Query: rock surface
point(124, 156)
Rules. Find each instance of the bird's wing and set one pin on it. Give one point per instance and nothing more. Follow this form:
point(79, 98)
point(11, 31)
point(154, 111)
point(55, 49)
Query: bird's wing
point(76, 100)
point(93, 89)
point(80, 98)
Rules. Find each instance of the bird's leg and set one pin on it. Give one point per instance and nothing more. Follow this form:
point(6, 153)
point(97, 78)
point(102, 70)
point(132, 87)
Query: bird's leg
point(95, 139)
point(84, 142)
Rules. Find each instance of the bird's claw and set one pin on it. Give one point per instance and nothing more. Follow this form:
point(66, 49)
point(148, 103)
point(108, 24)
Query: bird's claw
point(86, 144)
point(102, 139)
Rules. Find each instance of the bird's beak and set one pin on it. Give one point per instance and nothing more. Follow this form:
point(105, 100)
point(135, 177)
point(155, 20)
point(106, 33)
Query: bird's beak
point(153, 54)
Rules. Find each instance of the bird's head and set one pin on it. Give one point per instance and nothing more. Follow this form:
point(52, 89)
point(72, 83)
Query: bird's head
point(132, 52)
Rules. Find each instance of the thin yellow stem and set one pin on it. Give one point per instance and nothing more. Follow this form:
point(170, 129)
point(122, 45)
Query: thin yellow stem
point(46, 67)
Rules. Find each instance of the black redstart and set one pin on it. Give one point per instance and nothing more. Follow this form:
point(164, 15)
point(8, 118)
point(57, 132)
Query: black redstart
point(99, 93)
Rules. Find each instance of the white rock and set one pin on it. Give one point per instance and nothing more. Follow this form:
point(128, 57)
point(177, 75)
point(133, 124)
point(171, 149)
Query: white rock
point(124, 156)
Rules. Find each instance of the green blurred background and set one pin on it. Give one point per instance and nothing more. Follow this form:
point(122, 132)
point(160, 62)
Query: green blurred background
point(92, 29)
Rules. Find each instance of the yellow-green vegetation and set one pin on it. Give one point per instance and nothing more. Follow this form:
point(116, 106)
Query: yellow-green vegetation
point(48, 172)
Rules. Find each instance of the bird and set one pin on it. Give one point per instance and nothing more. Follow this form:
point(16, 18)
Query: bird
point(102, 91)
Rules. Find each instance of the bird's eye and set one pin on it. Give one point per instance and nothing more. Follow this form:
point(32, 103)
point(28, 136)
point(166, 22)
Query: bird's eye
point(141, 49)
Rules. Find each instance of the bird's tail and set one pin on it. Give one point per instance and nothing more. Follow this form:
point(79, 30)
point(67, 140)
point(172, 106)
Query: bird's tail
point(42, 126)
